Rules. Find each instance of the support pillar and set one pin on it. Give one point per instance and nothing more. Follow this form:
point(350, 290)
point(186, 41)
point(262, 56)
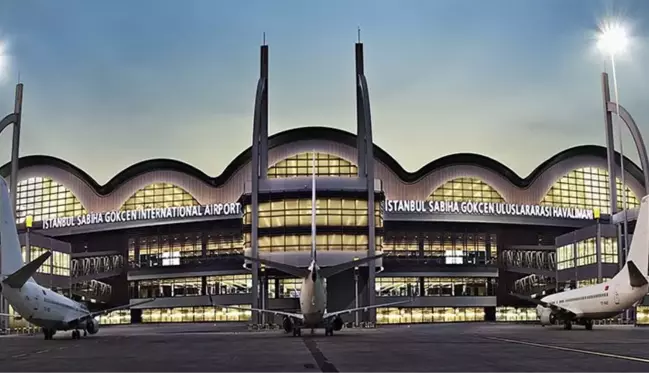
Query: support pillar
point(14, 118)
point(259, 168)
point(366, 168)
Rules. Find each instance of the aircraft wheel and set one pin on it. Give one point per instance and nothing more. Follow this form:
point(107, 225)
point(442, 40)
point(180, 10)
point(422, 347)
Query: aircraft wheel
point(76, 334)
point(589, 325)
point(567, 325)
point(297, 332)
point(329, 331)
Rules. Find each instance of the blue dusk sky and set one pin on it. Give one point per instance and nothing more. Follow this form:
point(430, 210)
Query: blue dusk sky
point(111, 83)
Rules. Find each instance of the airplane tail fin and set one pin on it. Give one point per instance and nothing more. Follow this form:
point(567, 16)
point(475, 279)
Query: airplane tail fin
point(638, 256)
point(17, 279)
point(636, 278)
point(10, 250)
point(330, 271)
point(313, 211)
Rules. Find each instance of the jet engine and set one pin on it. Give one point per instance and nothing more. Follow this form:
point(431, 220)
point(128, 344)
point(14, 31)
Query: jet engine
point(92, 326)
point(287, 324)
point(546, 316)
point(337, 323)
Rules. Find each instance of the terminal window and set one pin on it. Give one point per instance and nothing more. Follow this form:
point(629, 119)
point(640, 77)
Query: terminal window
point(159, 195)
point(169, 250)
point(301, 165)
point(57, 264)
point(302, 242)
point(43, 199)
point(466, 189)
point(195, 314)
point(229, 284)
point(412, 315)
point(587, 188)
point(329, 212)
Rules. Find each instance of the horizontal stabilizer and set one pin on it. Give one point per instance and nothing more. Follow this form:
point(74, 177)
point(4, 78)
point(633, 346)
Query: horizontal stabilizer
point(286, 268)
point(17, 279)
point(636, 278)
point(330, 271)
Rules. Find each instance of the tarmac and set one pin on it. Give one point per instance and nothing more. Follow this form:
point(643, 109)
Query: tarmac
point(467, 347)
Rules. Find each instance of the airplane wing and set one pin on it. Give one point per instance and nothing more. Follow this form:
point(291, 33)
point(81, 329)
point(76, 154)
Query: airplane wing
point(364, 308)
point(561, 311)
point(125, 306)
point(298, 316)
point(92, 315)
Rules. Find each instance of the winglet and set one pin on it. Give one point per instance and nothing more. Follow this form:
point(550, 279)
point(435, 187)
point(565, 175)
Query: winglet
point(636, 278)
point(17, 279)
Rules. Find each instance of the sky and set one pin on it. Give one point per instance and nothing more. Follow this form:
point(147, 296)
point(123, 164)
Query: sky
point(111, 83)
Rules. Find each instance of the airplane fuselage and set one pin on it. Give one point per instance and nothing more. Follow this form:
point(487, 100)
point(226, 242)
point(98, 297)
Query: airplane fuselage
point(313, 299)
point(43, 307)
point(600, 301)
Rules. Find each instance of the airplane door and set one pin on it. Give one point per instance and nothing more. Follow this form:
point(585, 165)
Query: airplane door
point(616, 295)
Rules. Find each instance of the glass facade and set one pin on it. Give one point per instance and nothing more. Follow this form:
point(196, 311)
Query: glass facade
point(288, 288)
point(177, 249)
point(119, 317)
point(642, 315)
point(301, 165)
point(589, 282)
point(435, 286)
point(302, 242)
point(397, 286)
point(504, 314)
point(459, 286)
point(229, 284)
point(195, 314)
point(444, 247)
point(339, 212)
point(44, 199)
point(586, 253)
point(159, 195)
point(466, 189)
point(396, 315)
point(168, 250)
point(587, 188)
point(170, 287)
point(57, 264)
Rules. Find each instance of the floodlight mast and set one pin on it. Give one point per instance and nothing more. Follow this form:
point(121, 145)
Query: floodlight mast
point(612, 41)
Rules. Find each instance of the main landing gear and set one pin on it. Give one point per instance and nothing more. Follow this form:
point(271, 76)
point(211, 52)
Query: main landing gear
point(329, 331)
point(76, 334)
point(297, 332)
point(567, 325)
point(48, 333)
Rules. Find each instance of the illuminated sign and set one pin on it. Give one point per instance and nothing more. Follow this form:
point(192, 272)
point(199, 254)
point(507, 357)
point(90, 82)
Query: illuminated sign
point(487, 208)
point(216, 209)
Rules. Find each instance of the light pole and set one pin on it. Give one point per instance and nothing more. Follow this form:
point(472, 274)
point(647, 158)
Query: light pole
point(613, 40)
point(15, 119)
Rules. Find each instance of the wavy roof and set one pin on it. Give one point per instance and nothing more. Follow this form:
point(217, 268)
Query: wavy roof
point(321, 133)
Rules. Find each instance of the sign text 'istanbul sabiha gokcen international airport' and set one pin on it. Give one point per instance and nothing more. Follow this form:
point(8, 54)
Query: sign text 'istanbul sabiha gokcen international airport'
point(390, 206)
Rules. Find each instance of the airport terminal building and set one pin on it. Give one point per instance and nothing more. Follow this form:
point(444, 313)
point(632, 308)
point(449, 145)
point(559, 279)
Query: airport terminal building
point(456, 234)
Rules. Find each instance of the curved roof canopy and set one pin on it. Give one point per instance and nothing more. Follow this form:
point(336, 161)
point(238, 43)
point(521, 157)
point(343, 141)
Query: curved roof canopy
point(328, 134)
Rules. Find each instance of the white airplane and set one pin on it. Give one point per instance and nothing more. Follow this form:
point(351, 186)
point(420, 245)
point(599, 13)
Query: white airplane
point(40, 306)
point(313, 293)
point(583, 305)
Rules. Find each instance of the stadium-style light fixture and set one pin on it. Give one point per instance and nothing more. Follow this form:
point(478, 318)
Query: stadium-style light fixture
point(612, 39)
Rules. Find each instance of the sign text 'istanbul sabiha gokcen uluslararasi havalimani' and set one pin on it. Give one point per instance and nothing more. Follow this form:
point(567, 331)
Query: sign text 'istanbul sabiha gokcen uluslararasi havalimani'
point(487, 208)
point(215, 209)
